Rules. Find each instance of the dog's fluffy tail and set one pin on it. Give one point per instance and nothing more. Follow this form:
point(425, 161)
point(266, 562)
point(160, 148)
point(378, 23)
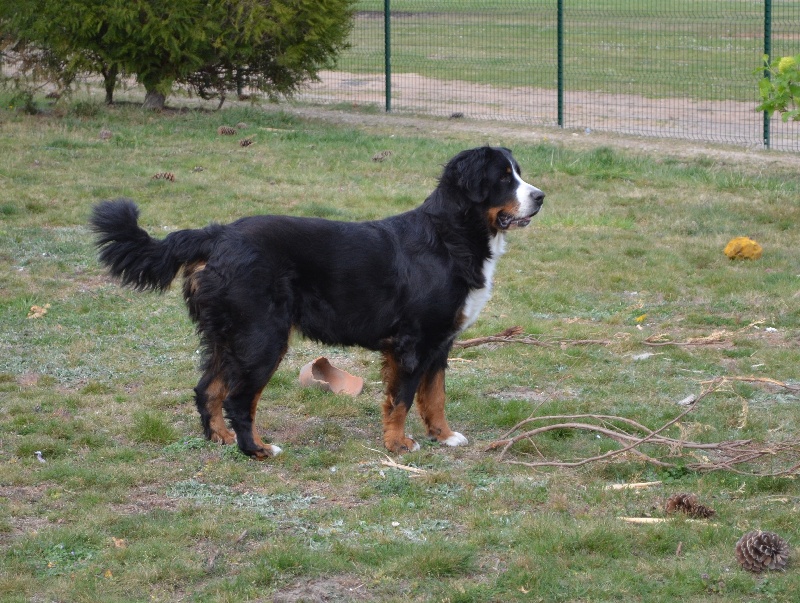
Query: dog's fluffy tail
point(136, 258)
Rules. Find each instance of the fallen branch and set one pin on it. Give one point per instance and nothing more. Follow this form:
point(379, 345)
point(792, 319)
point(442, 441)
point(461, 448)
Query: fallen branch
point(765, 380)
point(652, 520)
point(715, 338)
point(730, 455)
point(635, 486)
point(515, 335)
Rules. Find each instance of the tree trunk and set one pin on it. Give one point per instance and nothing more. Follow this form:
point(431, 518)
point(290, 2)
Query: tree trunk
point(110, 82)
point(154, 100)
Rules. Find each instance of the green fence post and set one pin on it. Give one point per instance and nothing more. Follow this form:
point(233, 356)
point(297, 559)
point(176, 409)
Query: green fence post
point(560, 61)
point(387, 53)
point(768, 53)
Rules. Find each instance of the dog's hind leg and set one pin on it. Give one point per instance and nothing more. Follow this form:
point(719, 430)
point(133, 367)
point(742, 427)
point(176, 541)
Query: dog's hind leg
point(430, 403)
point(210, 393)
point(240, 406)
point(400, 388)
point(258, 353)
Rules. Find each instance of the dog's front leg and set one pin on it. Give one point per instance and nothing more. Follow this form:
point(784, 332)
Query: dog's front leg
point(394, 420)
point(400, 388)
point(430, 403)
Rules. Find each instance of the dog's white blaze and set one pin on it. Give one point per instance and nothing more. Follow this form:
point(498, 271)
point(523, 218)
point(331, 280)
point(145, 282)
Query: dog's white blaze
point(525, 194)
point(478, 298)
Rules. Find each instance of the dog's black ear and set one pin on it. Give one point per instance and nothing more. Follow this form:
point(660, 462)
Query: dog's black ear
point(467, 171)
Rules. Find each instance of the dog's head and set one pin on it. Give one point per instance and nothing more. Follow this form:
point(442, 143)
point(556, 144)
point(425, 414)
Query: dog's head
point(490, 178)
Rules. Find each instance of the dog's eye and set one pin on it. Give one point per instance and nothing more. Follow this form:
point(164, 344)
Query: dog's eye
point(505, 178)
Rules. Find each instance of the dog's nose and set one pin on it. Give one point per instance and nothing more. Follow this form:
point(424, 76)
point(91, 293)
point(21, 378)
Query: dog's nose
point(537, 197)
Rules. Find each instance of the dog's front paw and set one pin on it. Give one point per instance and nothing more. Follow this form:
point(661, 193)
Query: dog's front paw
point(401, 445)
point(456, 439)
point(267, 452)
point(222, 436)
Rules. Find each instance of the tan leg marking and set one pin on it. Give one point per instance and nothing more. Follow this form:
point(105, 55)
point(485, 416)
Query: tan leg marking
point(253, 407)
point(216, 393)
point(394, 415)
point(266, 451)
point(394, 422)
point(430, 403)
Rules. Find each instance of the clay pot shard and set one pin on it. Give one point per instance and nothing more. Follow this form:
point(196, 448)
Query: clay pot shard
point(321, 373)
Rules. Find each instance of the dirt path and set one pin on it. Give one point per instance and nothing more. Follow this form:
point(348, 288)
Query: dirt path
point(476, 132)
point(533, 110)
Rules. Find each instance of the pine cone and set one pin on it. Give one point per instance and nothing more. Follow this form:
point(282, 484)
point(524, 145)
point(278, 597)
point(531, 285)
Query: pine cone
point(245, 142)
point(757, 551)
point(381, 155)
point(165, 176)
point(226, 131)
point(688, 504)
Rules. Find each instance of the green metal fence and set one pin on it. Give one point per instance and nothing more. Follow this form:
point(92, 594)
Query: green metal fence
point(681, 69)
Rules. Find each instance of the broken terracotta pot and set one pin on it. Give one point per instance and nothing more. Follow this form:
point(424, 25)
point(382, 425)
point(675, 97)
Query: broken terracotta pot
point(321, 373)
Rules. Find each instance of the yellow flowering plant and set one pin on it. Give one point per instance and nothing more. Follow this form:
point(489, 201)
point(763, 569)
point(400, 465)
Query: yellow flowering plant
point(780, 90)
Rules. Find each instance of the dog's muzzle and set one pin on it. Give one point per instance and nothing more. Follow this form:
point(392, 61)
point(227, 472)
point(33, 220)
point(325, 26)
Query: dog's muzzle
point(506, 220)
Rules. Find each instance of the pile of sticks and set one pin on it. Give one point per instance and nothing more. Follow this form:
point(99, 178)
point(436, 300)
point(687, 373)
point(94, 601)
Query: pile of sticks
point(739, 456)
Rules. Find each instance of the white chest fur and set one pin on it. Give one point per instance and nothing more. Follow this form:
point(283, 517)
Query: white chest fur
point(478, 298)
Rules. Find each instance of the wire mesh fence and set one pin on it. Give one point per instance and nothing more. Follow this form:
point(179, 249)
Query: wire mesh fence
point(680, 69)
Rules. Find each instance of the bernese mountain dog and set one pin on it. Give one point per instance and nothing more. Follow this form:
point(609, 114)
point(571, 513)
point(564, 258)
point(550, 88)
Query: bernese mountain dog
point(404, 286)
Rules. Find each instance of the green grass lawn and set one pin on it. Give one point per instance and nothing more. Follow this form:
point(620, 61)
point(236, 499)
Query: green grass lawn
point(682, 49)
point(133, 505)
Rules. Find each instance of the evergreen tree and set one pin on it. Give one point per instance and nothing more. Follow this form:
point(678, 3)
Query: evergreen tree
point(214, 46)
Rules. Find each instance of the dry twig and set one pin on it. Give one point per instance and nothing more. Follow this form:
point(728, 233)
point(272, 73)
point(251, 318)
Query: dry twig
point(409, 468)
point(765, 380)
point(515, 335)
point(635, 486)
point(388, 462)
point(652, 520)
point(715, 338)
